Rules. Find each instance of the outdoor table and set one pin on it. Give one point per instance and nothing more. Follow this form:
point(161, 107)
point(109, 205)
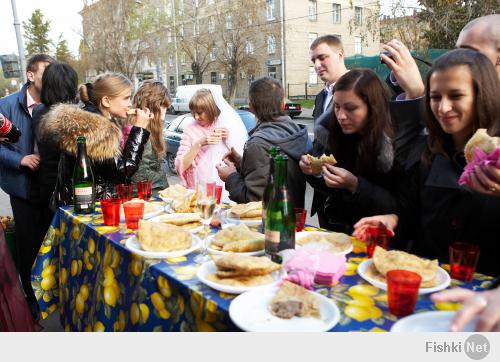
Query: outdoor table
point(84, 271)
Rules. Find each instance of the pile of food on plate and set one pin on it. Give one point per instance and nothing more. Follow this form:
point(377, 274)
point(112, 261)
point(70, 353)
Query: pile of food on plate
point(384, 261)
point(238, 239)
point(161, 237)
point(188, 221)
point(249, 211)
point(317, 163)
point(183, 199)
point(242, 270)
point(293, 300)
point(334, 242)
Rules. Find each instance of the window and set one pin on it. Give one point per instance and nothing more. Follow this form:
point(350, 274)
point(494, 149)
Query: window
point(196, 27)
point(358, 15)
point(181, 7)
point(169, 37)
point(170, 61)
point(195, 3)
point(271, 72)
point(211, 24)
point(213, 77)
point(313, 10)
point(271, 44)
point(312, 37)
point(181, 30)
point(213, 54)
point(313, 76)
point(357, 45)
point(168, 8)
point(249, 47)
point(336, 13)
point(183, 58)
point(210, 2)
point(229, 22)
point(230, 50)
point(270, 9)
point(171, 82)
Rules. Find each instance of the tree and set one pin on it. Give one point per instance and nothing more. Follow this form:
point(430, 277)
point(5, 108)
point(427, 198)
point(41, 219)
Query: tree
point(36, 34)
point(446, 18)
point(368, 24)
point(62, 52)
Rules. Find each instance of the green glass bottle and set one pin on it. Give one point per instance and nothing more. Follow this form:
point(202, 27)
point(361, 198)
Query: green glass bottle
point(83, 181)
point(280, 215)
point(273, 152)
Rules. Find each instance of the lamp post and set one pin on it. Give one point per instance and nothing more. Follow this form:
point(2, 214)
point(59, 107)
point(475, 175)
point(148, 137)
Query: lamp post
point(20, 48)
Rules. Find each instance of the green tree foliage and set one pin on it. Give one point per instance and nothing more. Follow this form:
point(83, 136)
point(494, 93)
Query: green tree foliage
point(448, 17)
point(36, 33)
point(62, 51)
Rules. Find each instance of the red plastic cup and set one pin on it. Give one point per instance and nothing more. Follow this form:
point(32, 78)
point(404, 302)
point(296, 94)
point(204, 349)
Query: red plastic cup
point(218, 193)
point(134, 211)
point(125, 192)
point(300, 218)
point(463, 260)
point(402, 291)
point(377, 236)
point(111, 211)
point(144, 189)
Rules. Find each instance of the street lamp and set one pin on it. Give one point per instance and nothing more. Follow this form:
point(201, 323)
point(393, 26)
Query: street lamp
point(20, 48)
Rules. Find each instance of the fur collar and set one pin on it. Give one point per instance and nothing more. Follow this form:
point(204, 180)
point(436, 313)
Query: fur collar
point(65, 122)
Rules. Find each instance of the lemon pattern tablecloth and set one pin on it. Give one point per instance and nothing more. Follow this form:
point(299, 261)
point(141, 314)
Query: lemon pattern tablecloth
point(84, 270)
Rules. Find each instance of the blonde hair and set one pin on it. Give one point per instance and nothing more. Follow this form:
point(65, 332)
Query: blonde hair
point(154, 95)
point(203, 101)
point(105, 85)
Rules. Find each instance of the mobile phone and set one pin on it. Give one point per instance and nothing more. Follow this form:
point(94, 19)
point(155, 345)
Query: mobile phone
point(385, 52)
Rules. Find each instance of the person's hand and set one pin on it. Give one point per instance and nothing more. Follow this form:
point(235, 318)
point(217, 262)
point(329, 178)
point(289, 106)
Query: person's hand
point(486, 180)
point(31, 161)
point(305, 166)
point(404, 68)
point(210, 139)
point(389, 221)
point(485, 305)
point(142, 117)
point(339, 178)
point(225, 169)
point(232, 156)
point(223, 133)
point(2, 139)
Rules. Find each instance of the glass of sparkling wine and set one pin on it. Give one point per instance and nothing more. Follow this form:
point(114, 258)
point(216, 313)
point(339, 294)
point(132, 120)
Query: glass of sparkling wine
point(205, 206)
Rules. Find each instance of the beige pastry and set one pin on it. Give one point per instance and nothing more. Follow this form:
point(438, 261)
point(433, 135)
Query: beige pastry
point(293, 300)
point(250, 210)
point(162, 237)
point(232, 265)
point(318, 163)
point(337, 242)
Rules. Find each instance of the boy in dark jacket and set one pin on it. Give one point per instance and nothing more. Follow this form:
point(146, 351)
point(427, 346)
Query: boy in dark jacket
point(246, 176)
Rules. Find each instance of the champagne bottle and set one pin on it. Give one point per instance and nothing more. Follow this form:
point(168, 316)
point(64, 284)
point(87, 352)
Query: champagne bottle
point(273, 152)
point(280, 215)
point(8, 130)
point(83, 181)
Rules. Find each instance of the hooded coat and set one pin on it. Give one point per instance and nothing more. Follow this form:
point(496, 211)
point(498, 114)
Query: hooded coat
point(64, 123)
point(249, 183)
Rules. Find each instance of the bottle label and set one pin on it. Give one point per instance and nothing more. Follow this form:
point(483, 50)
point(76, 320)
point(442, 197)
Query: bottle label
point(5, 127)
point(83, 196)
point(272, 237)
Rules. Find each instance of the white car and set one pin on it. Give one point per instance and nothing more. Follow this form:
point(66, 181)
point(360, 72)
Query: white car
point(184, 93)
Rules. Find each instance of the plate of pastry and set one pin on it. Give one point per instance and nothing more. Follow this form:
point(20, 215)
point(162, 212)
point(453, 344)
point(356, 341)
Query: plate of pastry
point(337, 243)
point(236, 274)
point(160, 241)
point(289, 308)
point(373, 270)
point(187, 221)
point(249, 214)
point(151, 209)
point(236, 239)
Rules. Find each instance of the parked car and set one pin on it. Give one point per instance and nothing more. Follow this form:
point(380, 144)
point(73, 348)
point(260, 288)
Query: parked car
point(183, 94)
point(292, 109)
point(172, 133)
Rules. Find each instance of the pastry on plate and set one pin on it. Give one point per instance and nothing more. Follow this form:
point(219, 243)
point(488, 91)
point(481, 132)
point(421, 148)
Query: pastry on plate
point(162, 237)
point(293, 300)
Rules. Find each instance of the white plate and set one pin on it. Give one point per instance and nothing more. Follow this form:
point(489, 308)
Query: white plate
point(250, 312)
point(436, 321)
point(209, 268)
point(443, 279)
point(133, 244)
point(220, 252)
point(170, 216)
point(149, 215)
point(303, 234)
point(168, 209)
point(227, 220)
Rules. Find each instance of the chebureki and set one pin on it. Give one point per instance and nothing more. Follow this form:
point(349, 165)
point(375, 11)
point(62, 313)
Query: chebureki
point(183, 199)
point(162, 237)
point(317, 163)
point(384, 261)
point(238, 239)
point(293, 300)
point(185, 221)
point(337, 242)
point(249, 211)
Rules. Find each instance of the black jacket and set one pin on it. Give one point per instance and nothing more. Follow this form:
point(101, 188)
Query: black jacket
point(64, 123)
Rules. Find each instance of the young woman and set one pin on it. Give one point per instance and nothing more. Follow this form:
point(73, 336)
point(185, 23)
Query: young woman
point(461, 96)
point(361, 140)
point(217, 129)
point(106, 102)
point(153, 95)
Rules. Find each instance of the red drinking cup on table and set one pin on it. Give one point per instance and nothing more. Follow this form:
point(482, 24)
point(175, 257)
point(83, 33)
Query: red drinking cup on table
point(144, 189)
point(111, 211)
point(218, 191)
point(402, 291)
point(134, 211)
point(377, 236)
point(300, 218)
point(124, 192)
point(463, 260)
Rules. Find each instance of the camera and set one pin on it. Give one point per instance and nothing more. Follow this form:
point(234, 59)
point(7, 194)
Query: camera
point(385, 52)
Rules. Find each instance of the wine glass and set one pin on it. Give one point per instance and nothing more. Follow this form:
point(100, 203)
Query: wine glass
point(205, 206)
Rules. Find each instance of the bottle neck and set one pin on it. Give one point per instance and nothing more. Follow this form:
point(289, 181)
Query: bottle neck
point(280, 173)
point(82, 150)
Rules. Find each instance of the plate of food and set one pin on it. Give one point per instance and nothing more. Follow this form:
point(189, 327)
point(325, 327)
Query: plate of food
point(178, 199)
point(249, 214)
point(373, 270)
point(435, 321)
point(160, 241)
point(187, 221)
point(151, 209)
point(337, 243)
point(236, 274)
point(236, 239)
point(289, 308)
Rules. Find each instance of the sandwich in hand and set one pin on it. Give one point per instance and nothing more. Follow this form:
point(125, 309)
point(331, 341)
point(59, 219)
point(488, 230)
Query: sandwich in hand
point(482, 140)
point(317, 163)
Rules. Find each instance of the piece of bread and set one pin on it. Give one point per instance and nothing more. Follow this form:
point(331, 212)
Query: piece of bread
point(482, 140)
point(317, 163)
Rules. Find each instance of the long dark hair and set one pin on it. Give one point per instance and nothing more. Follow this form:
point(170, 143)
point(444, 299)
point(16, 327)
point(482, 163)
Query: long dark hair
point(486, 88)
point(358, 152)
point(59, 84)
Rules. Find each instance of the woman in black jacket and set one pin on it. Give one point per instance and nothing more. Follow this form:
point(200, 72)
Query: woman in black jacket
point(106, 102)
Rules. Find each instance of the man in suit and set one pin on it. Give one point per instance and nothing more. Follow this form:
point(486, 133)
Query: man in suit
point(327, 55)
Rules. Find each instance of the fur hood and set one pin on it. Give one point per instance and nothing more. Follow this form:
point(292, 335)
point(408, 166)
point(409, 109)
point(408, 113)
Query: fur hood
point(65, 122)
